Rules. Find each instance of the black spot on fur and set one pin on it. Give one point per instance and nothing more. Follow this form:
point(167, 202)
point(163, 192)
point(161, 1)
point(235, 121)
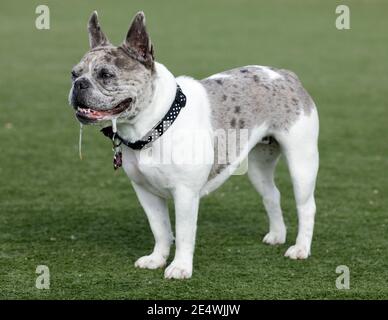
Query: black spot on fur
point(243, 70)
point(219, 81)
point(114, 53)
point(233, 123)
point(220, 168)
point(237, 109)
point(120, 63)
point(256, 78)
point(233, 99)
point(224, 97)
point(294, 101)
point(241, 123)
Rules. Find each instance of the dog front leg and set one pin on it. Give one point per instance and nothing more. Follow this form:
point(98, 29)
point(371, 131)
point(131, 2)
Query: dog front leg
point(186, 213)
point(156, 210)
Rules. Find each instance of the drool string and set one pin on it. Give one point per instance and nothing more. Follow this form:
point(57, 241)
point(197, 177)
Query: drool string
point(80, 141)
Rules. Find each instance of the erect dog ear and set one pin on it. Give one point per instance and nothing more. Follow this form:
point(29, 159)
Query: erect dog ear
point(96, 36)
point(138, 43)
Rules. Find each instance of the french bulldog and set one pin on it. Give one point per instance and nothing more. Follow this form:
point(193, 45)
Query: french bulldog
point(125, 90)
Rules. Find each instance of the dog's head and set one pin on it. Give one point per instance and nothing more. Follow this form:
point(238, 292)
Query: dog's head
point(113, 82)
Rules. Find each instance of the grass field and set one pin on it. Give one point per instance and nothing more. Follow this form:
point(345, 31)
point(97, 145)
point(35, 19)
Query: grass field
point(83, 220)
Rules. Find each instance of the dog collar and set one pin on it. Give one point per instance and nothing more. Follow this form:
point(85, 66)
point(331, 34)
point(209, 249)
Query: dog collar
point(157, 131)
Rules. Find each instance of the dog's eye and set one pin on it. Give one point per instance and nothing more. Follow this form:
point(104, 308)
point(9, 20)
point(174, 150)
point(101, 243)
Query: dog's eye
point(105, 74)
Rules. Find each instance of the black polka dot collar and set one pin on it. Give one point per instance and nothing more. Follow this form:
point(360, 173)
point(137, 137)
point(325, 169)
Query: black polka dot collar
point(157, 131)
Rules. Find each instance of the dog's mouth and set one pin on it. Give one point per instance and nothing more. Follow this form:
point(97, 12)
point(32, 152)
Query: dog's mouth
point(87, 115)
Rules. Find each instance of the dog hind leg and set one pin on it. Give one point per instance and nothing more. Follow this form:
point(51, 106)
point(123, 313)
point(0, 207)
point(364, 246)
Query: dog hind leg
point(262, 162)
point(300, 148)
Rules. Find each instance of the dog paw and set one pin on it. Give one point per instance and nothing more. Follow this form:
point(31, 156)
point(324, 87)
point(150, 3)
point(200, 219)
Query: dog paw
point(297, 252)
point(273, 238)
point(178, 270)
point(152, 261)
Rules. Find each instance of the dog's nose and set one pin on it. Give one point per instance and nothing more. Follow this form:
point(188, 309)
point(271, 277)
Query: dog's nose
point(82, 84)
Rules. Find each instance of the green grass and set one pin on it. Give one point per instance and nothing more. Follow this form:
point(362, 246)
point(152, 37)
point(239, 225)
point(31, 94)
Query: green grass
point(84, 222)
